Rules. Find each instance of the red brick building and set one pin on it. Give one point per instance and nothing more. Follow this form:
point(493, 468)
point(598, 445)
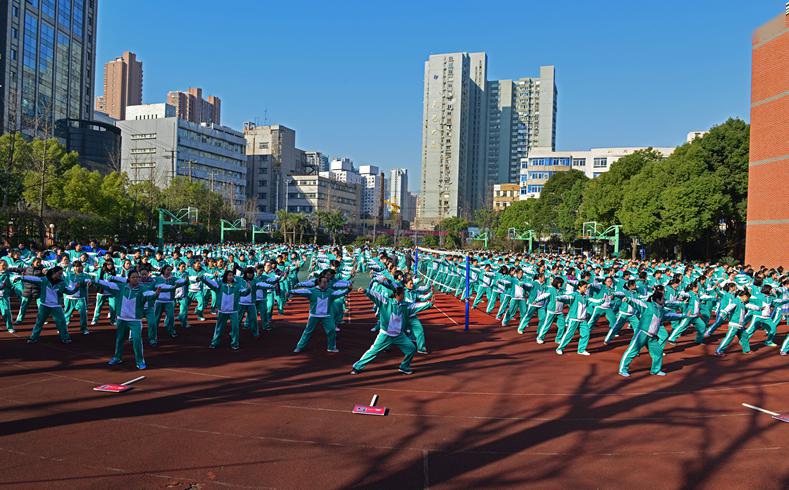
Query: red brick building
point(767, 235)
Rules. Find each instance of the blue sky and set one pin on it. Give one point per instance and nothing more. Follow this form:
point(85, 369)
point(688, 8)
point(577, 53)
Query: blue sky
point(347, 75)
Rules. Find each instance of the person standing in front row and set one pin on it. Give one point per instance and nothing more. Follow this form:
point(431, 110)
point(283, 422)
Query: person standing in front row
point(393, 312)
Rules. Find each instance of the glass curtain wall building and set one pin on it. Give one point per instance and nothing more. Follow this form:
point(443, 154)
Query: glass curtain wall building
point(48, 59)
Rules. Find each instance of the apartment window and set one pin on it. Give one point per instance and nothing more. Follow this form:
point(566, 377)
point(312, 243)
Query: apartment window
point(263, 183)
point(15, 10)
point(579, 162)
point(143, 136)
point(13, 54)
point(14, 33)
point(142, 150)
point(263, 146)
point(600, 162)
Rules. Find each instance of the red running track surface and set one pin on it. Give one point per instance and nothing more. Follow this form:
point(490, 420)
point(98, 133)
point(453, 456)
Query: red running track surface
point(487, 408)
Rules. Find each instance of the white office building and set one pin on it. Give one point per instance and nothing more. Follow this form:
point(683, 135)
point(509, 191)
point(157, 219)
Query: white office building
point(542, 163)
point(157, 146)
point(453, 137)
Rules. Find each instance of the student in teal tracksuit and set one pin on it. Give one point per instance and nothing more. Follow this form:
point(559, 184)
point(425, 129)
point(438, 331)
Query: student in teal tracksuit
point(393, 312)
point(79, 300)
point(692, 315)
point(52, 287)
point(228, 296)
point(553, 310)
point(576, 318)
point(6, 290)
point(627, 311)
point(168, 284)
point(130, 300)
point(535, 305)
point(724, 312)
point(650, 333)
point(763, 319)
point(320, 298)
point(736, 311)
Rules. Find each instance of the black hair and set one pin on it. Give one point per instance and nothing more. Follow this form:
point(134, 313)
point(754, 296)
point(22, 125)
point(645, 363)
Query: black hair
point(557, 282)
point(51, 272)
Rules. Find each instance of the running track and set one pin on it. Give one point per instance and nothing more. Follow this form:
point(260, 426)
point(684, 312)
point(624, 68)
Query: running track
point(487, 408)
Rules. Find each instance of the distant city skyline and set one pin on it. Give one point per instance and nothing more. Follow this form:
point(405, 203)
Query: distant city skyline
point(360, 93)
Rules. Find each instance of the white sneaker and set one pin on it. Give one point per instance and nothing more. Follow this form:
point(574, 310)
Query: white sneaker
point(559, 351)
point(584, 353)
point(335, 350)
point(540, 341)
point(296, 350)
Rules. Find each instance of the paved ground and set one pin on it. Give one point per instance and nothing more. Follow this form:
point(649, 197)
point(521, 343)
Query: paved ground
point(487, 408)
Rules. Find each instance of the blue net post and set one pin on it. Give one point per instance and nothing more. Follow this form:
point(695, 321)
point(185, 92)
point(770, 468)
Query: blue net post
point(416, 262)
point(468, 273)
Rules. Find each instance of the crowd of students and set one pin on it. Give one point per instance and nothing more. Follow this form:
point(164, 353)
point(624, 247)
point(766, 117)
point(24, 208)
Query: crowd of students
point(575, 292)
point(244, 285)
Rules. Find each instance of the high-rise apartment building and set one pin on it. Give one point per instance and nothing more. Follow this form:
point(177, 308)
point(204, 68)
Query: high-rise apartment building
point(122, 86)
point(191, 105)
point(521, 116)
point(397, 187)
point(454, 125)
point(767, 225)
point(372, 191)
point(47, 62)
point(272, 156)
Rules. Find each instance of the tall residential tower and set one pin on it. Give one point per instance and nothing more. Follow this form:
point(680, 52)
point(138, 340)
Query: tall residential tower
point(454, 171)
point(122, 86)
point(521, 116)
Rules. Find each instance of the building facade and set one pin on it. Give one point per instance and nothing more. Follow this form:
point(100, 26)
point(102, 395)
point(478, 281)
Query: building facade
point(272, 156)
point(98, 143)
point(521, 116)
point(191, 105)
point(767, 225)
point(310, 193)
point(372, 191)
point(397, 188)
point(316, 162)
point(504, 195)
point(122, 86)
point(542, 163)
point(454, 124)
point(158, 148)
point(47, 63)
point(409, 207)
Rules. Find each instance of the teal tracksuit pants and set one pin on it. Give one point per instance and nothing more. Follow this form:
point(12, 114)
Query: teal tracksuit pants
point(56, 313)
point(383, 342)
point(328, 326)
point(221, 322)
point(654, 345)
point(81, 307)
point(122, 331)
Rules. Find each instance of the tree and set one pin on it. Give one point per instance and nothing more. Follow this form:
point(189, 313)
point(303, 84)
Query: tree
point(14, 159)
point(48, 160)
point(674, 200)
point(567, 212)
point(518, 215)
point(335, 221)
point(546, 217)
point(603, 196)
point(455, 228)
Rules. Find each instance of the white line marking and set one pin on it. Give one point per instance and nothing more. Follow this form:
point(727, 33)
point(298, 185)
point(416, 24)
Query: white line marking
point(774, 414)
